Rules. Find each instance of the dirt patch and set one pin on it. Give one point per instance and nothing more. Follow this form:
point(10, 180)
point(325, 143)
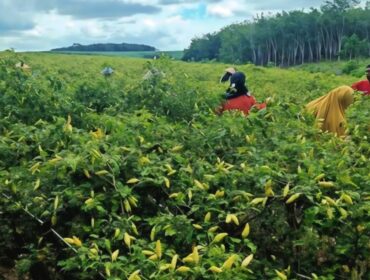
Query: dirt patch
point(7, 274)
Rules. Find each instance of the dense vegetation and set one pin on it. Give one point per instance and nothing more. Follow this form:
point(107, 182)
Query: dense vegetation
point(144, 181)
point(339, 29)
point(108, 47)
point(354, 68)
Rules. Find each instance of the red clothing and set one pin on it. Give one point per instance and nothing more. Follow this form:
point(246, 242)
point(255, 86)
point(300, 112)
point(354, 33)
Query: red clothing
point(363, 86)
point(242, 103)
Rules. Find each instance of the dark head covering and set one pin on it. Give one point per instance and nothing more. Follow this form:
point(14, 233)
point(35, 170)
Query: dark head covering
point(226, 76)
point(237, 86)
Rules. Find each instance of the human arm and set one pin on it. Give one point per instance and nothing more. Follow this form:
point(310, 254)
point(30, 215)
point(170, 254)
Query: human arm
point(362, 87)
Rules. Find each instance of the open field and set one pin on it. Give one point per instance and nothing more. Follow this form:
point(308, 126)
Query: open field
point(355, 68)
point(144, 181)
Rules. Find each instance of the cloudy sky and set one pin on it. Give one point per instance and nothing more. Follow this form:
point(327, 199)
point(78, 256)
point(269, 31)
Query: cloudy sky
point(164, 24)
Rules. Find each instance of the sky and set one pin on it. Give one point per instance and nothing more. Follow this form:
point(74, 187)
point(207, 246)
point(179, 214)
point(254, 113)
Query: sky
point(40, 25)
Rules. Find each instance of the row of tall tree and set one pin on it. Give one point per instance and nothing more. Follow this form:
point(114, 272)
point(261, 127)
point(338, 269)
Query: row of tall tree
point(339, 29)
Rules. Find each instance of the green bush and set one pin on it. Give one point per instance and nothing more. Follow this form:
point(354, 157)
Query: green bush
point(152, 185)
point(350, 66)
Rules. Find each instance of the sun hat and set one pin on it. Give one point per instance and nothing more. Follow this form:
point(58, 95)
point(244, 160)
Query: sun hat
point(226, 76)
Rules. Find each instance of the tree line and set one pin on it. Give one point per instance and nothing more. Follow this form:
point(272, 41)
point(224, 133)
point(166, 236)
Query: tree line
point(339, 29)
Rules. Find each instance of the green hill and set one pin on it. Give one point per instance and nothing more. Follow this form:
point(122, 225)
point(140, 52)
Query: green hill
point(108, 47)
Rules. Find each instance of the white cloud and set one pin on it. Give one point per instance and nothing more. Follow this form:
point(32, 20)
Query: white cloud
point(218, 10)
point(164, 24)
point(225, 9)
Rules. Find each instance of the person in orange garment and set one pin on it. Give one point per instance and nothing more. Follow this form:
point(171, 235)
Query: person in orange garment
point(329, 109)
point(238, 96)
point(364, 85)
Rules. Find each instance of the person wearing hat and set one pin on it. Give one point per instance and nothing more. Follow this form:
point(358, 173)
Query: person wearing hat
point(22, 65)
point(238, 96)
point(107, 71)
point(329, 109)
point(364, 85)
point(226, 76)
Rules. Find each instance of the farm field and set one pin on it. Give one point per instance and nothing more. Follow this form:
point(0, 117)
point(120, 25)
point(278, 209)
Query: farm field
point(354, 67)
point(142, 180)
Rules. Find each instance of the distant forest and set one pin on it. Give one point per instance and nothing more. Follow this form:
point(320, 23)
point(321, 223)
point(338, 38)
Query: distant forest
point(338, 30)
point(110, 47)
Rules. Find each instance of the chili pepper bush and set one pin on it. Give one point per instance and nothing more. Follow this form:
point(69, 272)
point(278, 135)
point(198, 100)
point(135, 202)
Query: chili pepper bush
point(143, 180)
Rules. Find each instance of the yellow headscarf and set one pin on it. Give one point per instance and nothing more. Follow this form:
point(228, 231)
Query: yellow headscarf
point(329, 109)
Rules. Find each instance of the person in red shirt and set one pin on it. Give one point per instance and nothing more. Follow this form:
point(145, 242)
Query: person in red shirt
point(238, 97)
point(363, 86)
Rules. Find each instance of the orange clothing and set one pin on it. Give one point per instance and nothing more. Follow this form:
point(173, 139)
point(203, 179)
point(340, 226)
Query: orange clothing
point(363, 86)
point(242, 103)
point(329, 109)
